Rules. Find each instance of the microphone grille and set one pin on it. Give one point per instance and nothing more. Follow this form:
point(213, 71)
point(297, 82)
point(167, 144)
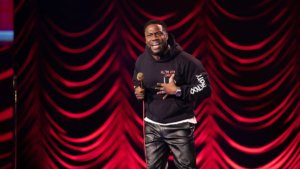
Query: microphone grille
point(140, 76)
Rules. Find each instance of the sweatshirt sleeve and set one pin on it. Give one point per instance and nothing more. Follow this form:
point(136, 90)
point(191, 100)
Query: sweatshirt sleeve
point(197, 85)
point(134, 78)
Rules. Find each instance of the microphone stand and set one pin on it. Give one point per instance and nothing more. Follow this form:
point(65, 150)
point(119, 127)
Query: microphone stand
point(144, 131)
point(15, 134)
point(143, 118)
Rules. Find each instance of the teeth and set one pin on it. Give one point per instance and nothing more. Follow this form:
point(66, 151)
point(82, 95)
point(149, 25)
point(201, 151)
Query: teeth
point(154, 44)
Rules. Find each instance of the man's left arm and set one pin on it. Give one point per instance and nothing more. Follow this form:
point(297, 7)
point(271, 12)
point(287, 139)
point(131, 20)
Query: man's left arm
point(197, 85)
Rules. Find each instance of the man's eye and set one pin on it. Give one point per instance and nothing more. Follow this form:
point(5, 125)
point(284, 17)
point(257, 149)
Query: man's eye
point(149, 35)
point(156, 34)
point(159, 33)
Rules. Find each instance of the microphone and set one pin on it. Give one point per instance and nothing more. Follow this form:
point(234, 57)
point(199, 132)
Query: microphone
point(140, 78)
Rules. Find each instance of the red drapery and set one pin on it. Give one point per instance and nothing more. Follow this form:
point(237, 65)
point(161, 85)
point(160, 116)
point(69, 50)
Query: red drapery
point(74, 62)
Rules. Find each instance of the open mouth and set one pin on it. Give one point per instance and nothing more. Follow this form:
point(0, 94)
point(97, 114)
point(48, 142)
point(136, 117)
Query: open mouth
point(155, 45)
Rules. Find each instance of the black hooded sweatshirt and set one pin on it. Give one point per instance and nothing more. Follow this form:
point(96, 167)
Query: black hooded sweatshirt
point(190, 76)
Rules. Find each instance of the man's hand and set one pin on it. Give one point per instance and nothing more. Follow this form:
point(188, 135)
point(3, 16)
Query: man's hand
point(139, 93)
point(167, 88)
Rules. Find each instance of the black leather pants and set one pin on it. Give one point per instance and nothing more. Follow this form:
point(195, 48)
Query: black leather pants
point(179, 138)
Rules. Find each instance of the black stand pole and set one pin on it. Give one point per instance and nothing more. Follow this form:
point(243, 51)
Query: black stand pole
point(15, 95)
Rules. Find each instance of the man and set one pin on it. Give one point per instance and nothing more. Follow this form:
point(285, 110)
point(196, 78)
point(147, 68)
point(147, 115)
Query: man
point(172, 81)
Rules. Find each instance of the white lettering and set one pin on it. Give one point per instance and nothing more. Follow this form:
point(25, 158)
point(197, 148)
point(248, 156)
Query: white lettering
point(199, 86)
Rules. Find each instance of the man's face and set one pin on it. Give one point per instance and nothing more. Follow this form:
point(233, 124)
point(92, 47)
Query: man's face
point(156, 38)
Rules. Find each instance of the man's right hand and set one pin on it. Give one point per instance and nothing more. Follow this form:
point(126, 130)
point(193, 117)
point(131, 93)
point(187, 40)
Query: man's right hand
point(139, 93)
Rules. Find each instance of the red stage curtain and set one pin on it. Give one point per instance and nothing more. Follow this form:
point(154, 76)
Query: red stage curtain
point(74, 62)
